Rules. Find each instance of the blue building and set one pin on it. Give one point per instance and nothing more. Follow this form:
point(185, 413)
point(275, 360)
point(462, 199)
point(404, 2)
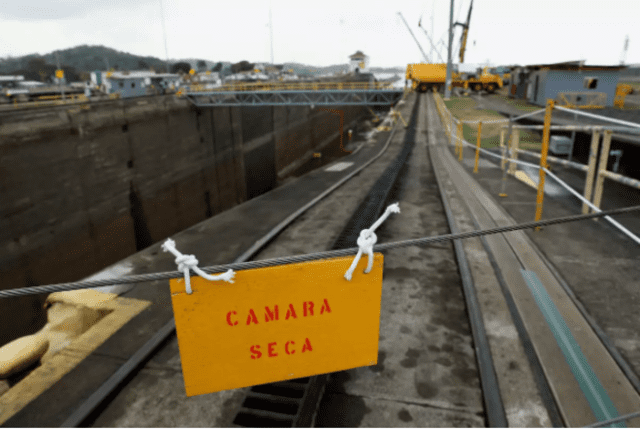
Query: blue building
point(127, 86)
point(566, 83)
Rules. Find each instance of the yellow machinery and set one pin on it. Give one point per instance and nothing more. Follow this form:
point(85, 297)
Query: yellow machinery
point(622, 90)
point(425, 77)
point(485, 81)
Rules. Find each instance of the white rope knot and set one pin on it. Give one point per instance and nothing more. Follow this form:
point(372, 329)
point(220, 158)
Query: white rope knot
point(367, 239)
point(189, 262)
point(186, 261)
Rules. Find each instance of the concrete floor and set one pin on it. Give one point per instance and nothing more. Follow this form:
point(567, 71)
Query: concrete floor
point(426, 374)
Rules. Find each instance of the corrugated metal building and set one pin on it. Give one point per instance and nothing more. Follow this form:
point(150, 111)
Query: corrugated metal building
point(127, 86)
point(567, 83)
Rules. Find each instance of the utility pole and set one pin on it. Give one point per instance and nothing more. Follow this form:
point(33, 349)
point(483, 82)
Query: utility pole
point(164, 34)
point(447, 88)
point(59, 78)
point(271, 34)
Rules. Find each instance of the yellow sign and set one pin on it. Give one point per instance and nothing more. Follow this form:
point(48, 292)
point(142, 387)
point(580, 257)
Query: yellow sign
point(192, 72)
point(277, 323)
point(361, 65)
point(59, 74)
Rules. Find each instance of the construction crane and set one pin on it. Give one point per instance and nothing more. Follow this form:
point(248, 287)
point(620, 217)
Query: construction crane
point(465, 33)
point(426, 58)
point(430, 40)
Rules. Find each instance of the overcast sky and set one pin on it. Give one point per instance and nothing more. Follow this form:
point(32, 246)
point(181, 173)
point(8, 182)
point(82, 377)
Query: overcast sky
point(326, 32)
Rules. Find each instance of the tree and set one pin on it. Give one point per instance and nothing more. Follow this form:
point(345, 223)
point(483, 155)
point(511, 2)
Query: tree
point(180, 67)
point(38, 69)
point(202, 65)
point(142, 65)
point(70, 74)
point(241, 66)
point(217, 67)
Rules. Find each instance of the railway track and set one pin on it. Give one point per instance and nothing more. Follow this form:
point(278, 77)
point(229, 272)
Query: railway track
point(298, 393)
point(523, 378)
point(580, 378)
point(464, 340)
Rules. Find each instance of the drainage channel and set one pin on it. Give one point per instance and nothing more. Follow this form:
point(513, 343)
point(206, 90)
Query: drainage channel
point(294, 403)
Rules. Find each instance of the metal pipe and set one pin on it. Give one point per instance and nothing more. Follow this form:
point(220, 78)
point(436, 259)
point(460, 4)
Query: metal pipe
point(578, 128)
point(479, 140)
point(560, 161)
point(595, 209)
point(503, 184)
point(600, 117)
point(459, 140)
point(621, 179)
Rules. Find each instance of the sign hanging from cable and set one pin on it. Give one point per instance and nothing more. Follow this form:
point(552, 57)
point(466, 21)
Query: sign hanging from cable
point(277, 323)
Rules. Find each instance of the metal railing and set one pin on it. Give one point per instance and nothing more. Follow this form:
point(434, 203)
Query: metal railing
point(595, 176)
point(288, 86)
point(56, 100)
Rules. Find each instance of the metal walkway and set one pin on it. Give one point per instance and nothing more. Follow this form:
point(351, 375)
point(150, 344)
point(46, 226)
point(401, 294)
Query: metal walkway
point(344, 97)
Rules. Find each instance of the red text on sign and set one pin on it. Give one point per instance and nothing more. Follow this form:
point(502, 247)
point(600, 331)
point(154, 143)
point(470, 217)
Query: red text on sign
point(272, 349)
point(272, 314)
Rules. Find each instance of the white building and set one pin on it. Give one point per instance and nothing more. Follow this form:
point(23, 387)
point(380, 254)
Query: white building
point(109, 82)
point(359, 63)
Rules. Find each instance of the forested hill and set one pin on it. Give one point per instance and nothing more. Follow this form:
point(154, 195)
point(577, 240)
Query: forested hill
point(78, 61)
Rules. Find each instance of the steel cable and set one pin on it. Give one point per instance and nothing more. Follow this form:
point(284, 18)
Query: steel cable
point(140, 278)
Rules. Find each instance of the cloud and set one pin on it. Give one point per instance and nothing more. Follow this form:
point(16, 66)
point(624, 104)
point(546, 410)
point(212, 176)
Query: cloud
point(46, 10)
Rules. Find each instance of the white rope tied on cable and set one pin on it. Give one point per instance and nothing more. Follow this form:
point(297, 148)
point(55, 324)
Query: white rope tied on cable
point(187, 262)
point(367, 240)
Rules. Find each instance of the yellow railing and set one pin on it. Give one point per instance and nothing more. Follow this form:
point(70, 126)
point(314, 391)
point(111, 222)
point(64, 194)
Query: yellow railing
point(57, 100)
point(293, 86)
point(58, 97)
point(595, 100)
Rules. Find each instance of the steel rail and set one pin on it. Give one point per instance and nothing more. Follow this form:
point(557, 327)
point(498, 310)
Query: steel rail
point(494, 407)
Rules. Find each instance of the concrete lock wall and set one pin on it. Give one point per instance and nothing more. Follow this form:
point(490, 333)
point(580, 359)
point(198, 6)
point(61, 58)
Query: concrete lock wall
point(83, 187)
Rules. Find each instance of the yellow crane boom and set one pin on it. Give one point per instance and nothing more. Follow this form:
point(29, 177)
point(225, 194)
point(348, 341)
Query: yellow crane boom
point(465, 33)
